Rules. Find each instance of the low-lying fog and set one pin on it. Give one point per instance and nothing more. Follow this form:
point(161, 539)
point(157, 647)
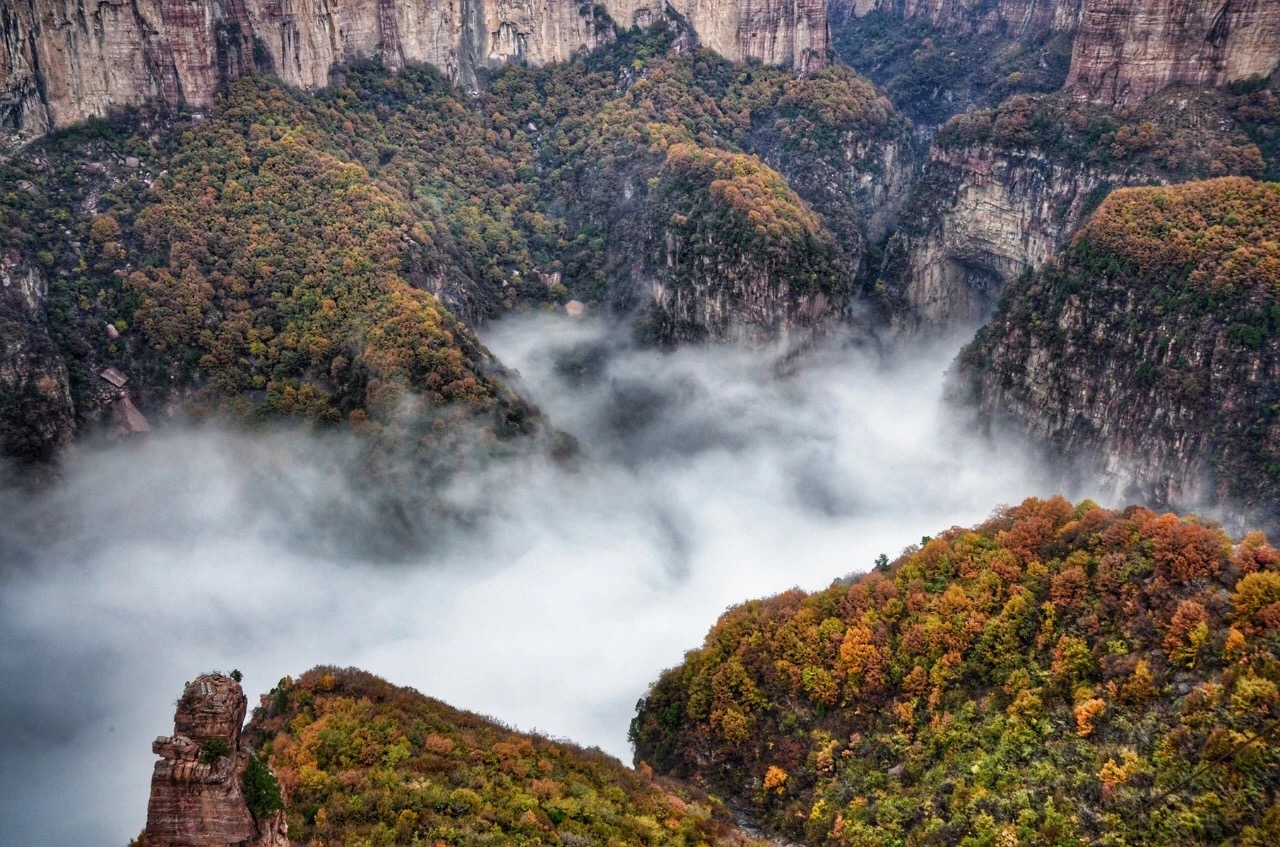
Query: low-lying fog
point(706, 478)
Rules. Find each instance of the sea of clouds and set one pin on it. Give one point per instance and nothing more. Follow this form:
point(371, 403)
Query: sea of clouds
point(705, 477)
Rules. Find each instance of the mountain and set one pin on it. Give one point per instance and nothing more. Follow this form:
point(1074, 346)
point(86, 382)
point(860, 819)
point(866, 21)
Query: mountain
point(1148, 354)
point(1058, 674)
point(1034, 110)
point(1004, 188)
point(209, 788)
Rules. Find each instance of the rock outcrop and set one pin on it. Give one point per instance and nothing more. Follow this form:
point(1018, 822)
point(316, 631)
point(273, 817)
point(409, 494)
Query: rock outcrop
point(65, 60)
point(1004, 189)
point(732, 253)
point(1126, 50)
point(197, 799)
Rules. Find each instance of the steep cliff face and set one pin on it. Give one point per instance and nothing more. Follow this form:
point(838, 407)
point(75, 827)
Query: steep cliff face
point(197, 796)
point(998, 213)
point(734, 253)
point(64, 60)
point(1126, 50)
point(37, 414)
point(1149, 354)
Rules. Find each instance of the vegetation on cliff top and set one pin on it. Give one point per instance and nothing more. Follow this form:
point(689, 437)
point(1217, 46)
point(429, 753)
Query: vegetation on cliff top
point(1174, 293)
point(1057, 675)
point(1218, 238)
point(364, 762)
point(1181, 133)
point(932, 73)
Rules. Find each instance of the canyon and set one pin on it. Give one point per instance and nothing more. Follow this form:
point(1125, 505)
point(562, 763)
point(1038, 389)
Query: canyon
point(1123, 51)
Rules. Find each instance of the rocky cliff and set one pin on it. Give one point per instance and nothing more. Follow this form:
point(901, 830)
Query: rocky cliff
point(999, 213)
point(1126, 51)
point(64, 60)
point(938, 58)
point(37, 414)
point(734, 254)
point(1149, 354)
point(197, 792)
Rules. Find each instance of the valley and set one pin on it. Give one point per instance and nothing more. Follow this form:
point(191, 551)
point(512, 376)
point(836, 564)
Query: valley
point(499, 349)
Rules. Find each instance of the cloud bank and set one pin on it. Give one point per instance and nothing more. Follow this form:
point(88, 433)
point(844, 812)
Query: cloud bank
point(706, 477)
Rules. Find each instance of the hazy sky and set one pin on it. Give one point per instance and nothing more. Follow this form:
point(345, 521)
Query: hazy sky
point(706, 478)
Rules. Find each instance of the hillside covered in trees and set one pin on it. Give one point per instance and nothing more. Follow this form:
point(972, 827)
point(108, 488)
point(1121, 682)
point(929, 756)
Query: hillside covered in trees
point(1149, 353)
point(325, 256)
point(364, 762)
point(1060, 674)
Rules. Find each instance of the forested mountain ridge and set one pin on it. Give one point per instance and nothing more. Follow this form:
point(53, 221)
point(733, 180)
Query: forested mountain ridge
point(1004, 188)
point(1057, 675)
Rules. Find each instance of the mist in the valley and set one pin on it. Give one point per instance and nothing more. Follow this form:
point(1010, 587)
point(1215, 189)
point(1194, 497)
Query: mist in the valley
point(705, 477)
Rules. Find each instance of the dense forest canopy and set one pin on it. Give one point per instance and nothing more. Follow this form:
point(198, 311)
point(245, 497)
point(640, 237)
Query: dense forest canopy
point(1061, 674)
point(1175, 293)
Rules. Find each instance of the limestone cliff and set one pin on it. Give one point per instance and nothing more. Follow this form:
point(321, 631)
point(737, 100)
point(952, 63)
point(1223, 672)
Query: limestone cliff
point(1128, 50)
point(986, 215)
point(732, 253)
point(65, 60)
point(197, 799)
point(1003, 189)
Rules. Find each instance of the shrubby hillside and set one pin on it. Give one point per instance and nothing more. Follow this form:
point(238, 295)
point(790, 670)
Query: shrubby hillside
point(364, 762)
point(1060, 674)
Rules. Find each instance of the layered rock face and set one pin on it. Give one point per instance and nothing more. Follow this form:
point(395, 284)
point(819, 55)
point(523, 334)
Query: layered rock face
point(196, 795)
point(998, 213)
point(64, 60)
point(1126, 51)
